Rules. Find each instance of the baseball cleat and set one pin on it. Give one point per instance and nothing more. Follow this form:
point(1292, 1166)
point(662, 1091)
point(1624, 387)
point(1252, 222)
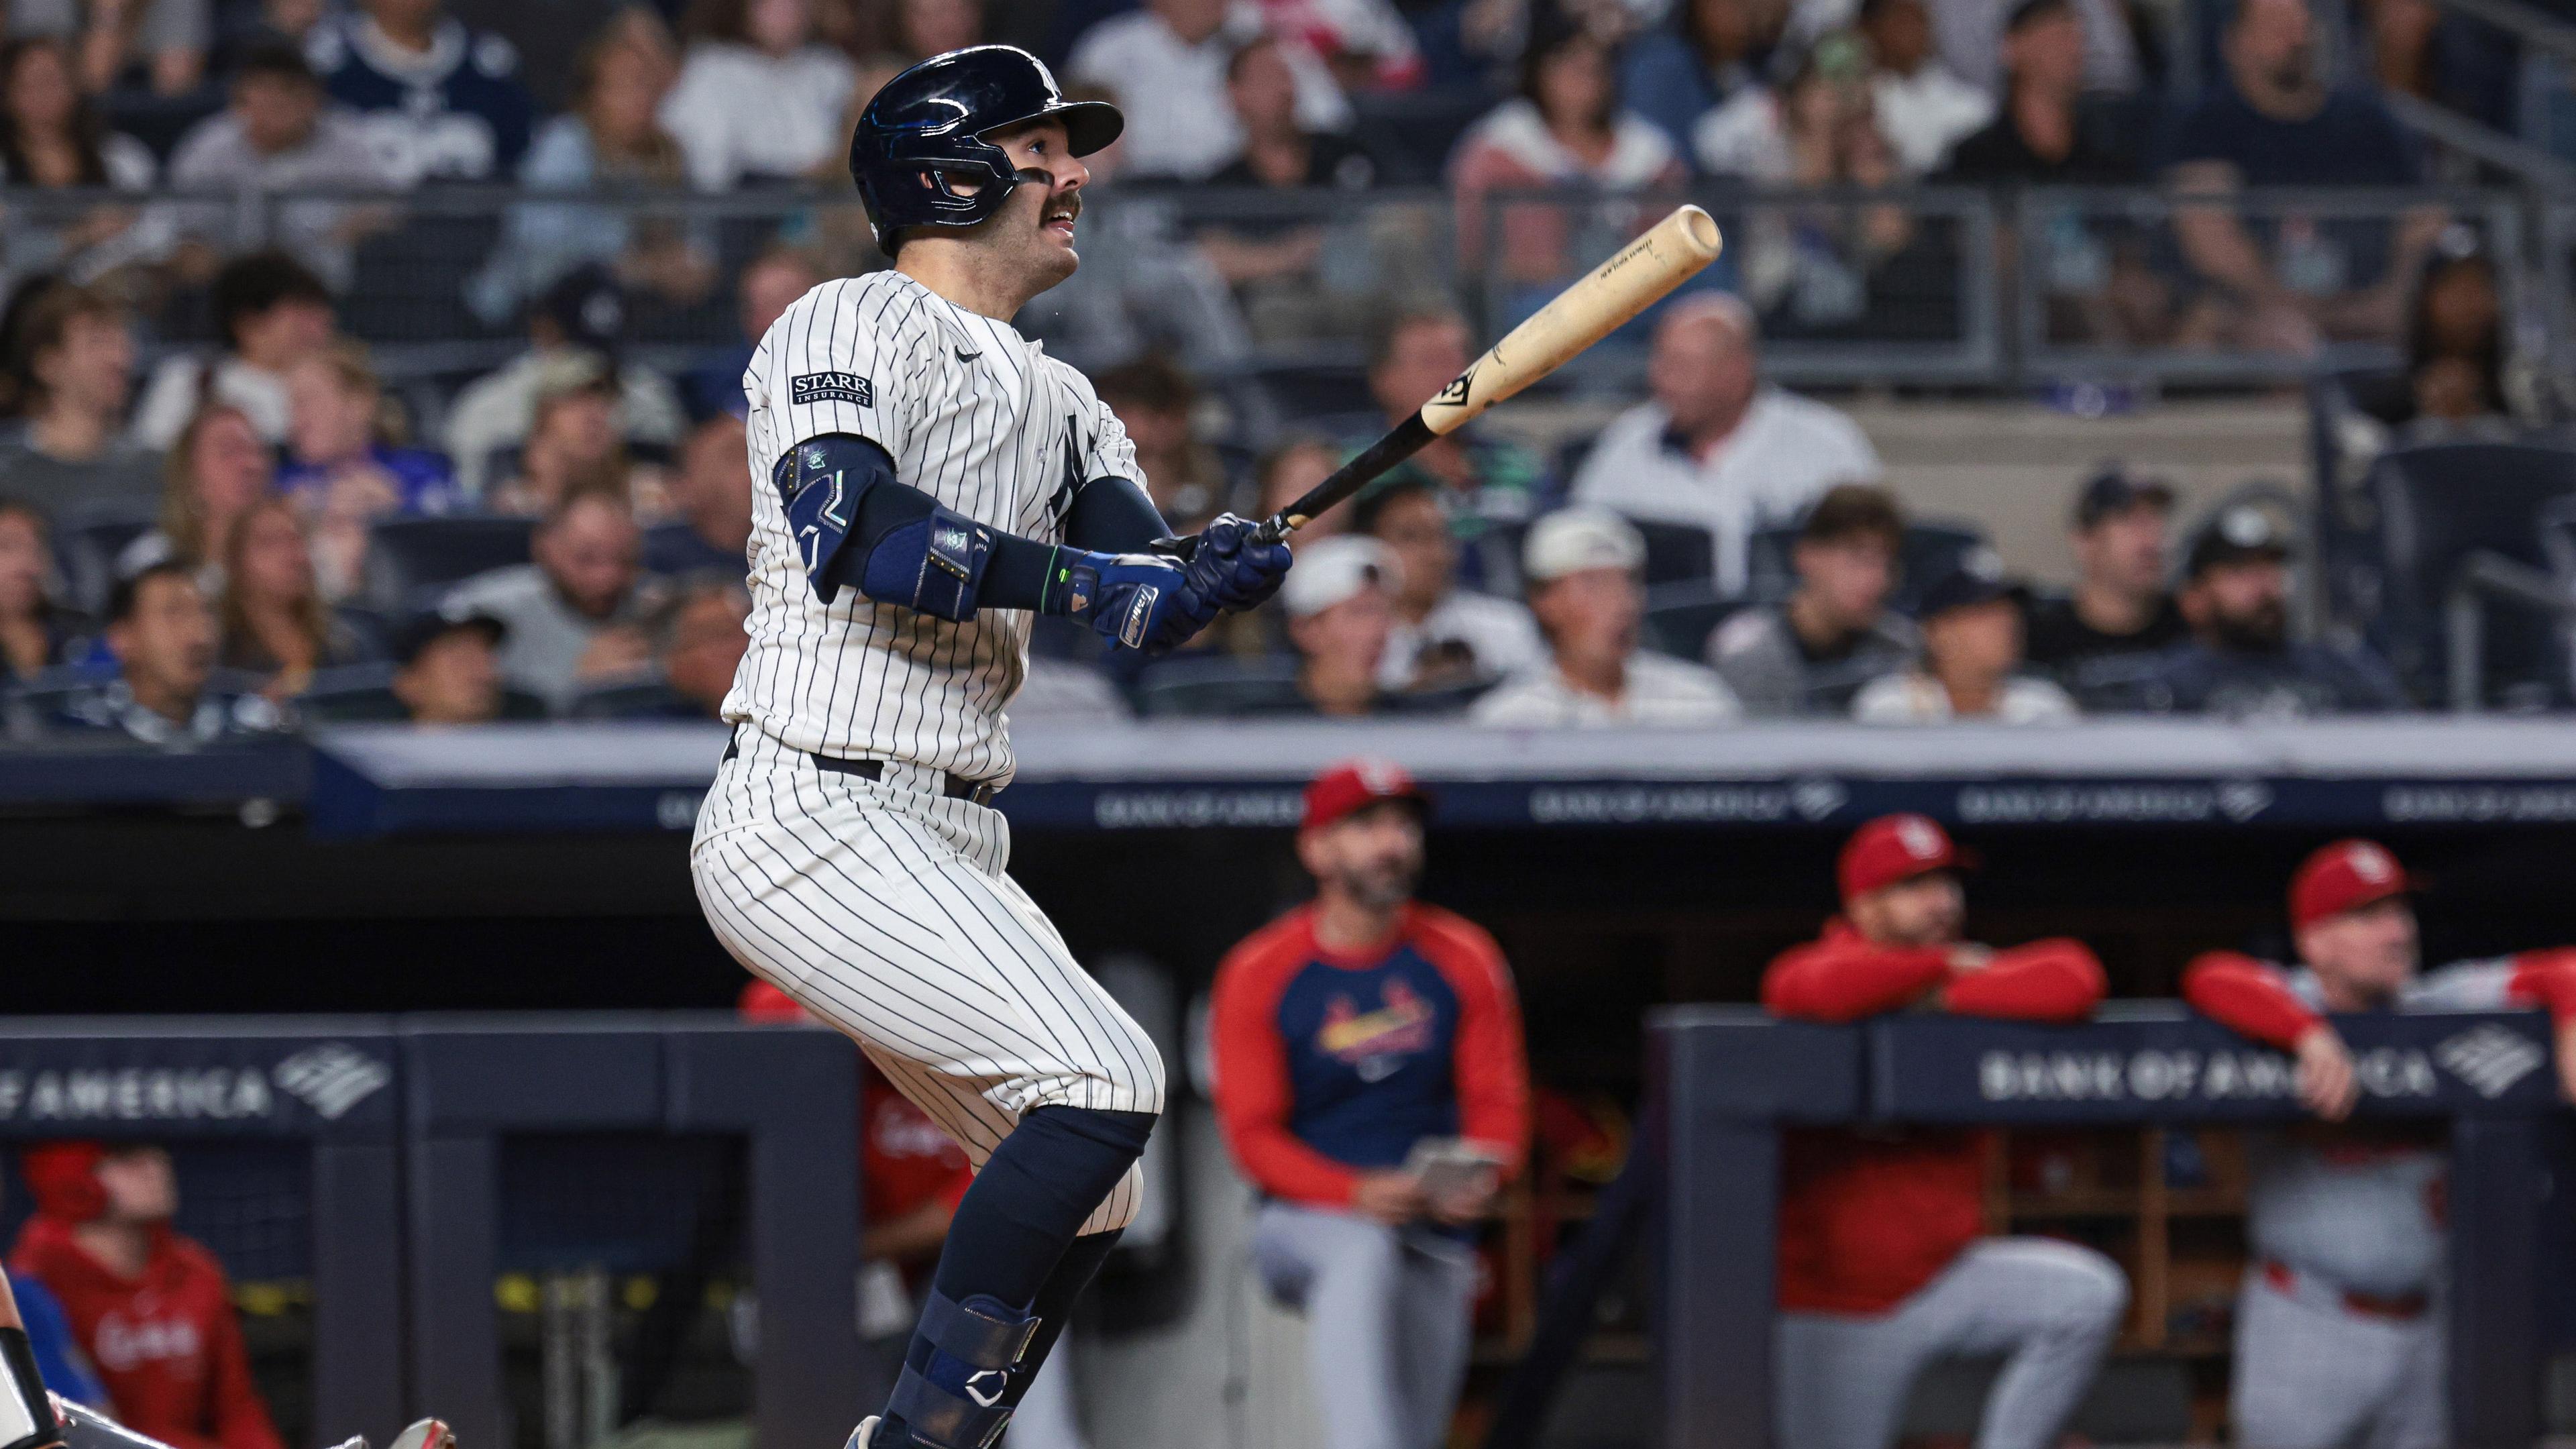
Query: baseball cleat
point(427, 1434)
point(867, 1430)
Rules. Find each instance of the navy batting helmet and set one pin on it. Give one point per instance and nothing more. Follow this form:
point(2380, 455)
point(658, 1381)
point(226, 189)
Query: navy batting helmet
point(929, 123)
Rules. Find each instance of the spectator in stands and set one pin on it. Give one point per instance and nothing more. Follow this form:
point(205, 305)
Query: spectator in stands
point(2044, 134)
point(1810, 653)
point(2276, 121)
point(216, 471)
point(1491, 486)
point(713, 492)
point(2466, 67)
point(1718, 448)
point(163, 637)
point(2341, 1325)
point(2240, 662)
point(1584, 566)
point(1566, 128)
point(34, 629)
point(437, 101)
point(272, 314)
point(1339, 618)
point(2463, 376)
point(1969, 35)
point(1920, 103)
point(767, 287)
point(75, 369)
point(763, 48)
point(1292, 467)
point(572, 443)
point(1279, 153)
point(1157, 403)
point(611, 138)
point(1673, 75)
point(1167, 65)
point(150, 1306)
point(274, 621)
point(1352, 1041)
point(1444, 636)
point(1971, 623)
point(2120, 610)
point(165, 39)
point(280, 134)
point(445, 672)
point(340, 469)
point(1820, 128)
point(575, 615)
point(52, 138)
point(578, 325)
point(698, 643)
point(1883, 1268)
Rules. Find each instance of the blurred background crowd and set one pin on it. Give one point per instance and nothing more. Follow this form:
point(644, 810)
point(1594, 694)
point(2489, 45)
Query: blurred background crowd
point(380, 360)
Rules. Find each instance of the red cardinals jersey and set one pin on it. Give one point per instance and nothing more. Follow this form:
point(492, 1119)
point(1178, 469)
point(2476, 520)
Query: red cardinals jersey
point(1868, 1217)
point(166, 1344)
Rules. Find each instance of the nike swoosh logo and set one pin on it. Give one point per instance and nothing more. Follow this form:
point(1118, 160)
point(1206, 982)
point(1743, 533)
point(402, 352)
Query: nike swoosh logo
point(965, 356)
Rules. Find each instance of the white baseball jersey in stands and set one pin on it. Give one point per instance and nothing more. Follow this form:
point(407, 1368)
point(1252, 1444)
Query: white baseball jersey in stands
point(974, 415)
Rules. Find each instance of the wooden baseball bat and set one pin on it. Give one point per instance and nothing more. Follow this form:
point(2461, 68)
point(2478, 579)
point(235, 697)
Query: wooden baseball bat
point(1643, 273)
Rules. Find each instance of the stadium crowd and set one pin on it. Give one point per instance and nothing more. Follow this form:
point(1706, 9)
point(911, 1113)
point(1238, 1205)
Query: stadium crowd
point(221, 515)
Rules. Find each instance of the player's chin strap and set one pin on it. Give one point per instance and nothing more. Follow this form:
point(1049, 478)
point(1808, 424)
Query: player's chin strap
point(958, 1402)
point(27, 1417)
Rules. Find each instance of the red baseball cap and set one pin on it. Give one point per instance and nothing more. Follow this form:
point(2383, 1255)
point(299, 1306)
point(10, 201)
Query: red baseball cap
point(2345, 876)
point(1894, 848)
point(1355, 784)
point(63, 1179)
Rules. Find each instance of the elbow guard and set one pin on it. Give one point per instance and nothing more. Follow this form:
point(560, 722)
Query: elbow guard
point(855, 524)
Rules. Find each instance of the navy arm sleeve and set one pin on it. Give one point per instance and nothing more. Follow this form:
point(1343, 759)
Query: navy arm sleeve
point(1113, 515)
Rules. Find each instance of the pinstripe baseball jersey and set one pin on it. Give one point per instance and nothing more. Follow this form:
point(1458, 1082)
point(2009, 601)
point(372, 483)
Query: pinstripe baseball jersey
point(973, 414)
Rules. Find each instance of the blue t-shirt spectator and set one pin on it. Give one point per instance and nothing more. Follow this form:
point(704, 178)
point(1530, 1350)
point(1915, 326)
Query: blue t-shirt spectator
point(2351, 140)
point(443, 103)
point(425, 480)
point(59, 1359)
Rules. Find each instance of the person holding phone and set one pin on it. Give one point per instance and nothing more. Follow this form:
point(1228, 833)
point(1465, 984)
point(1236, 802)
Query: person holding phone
point(1370, 1082)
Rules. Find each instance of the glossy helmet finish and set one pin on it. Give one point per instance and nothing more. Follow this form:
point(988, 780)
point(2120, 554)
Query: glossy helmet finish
point(929, 124)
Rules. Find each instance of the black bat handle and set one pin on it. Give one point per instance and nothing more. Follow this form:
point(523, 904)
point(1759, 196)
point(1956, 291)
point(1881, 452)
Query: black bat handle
point(1405, 440)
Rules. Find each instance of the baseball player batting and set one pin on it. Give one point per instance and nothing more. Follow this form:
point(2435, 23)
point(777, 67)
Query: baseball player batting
point(935, 483)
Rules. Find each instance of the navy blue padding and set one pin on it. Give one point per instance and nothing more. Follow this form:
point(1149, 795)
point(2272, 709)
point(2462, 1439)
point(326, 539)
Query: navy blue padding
point(980, 1337)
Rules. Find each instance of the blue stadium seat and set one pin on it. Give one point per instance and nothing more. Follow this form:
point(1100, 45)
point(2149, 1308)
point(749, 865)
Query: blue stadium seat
point(2439, 505)
point(410, 558)
point(87, 548)
point(1677, 553)
point(1932, 548)
point(1215, 686)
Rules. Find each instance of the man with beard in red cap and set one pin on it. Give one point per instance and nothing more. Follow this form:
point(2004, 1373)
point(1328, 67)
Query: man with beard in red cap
point(152, 1309)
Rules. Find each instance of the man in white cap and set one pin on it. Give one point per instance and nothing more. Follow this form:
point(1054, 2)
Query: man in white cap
point(1339, 616)
point(1583, 566)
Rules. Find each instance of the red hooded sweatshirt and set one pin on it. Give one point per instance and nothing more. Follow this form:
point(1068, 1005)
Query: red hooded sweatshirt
point(166, 1344)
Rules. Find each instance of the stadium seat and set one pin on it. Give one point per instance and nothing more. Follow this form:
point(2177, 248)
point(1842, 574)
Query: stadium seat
point(2440, 506)
point(1216, 686)
point(1681, 616)
point(364, 694)
point(88, 549)
point(1677, 553)
point(631, 699)
point(1931, 549)
point(409, 558)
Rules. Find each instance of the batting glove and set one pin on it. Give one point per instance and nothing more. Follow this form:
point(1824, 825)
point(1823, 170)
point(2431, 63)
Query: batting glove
point(1134, 600)
point(1233, 568)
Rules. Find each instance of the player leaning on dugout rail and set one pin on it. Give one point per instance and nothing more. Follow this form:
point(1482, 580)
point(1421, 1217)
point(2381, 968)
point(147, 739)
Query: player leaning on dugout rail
point(2340, 1331)
point(1883, 1268)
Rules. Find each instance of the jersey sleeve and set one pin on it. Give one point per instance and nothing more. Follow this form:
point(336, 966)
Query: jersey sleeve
point(1488, 1067)
point(2546, 979)
point(2247, 997)
point(1843, 980)
point(1112, 453)
point(1253, 1096)
point(828, 367)
point(2054, 980)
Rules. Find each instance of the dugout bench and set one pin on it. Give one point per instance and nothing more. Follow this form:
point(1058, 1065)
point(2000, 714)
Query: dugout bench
point(1727, 1080)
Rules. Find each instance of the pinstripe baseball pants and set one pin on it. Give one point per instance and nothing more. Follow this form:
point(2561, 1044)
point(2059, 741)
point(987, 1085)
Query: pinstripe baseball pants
point(883, 907)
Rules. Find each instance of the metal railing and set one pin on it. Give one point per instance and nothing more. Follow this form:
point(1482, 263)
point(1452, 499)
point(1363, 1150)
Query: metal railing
point(1932, 285)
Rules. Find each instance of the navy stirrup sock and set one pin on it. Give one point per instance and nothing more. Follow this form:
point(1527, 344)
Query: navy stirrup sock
point(1011, 1266)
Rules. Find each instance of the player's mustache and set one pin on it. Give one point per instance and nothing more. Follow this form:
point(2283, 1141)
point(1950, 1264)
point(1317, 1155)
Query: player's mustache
point(1068, 205)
